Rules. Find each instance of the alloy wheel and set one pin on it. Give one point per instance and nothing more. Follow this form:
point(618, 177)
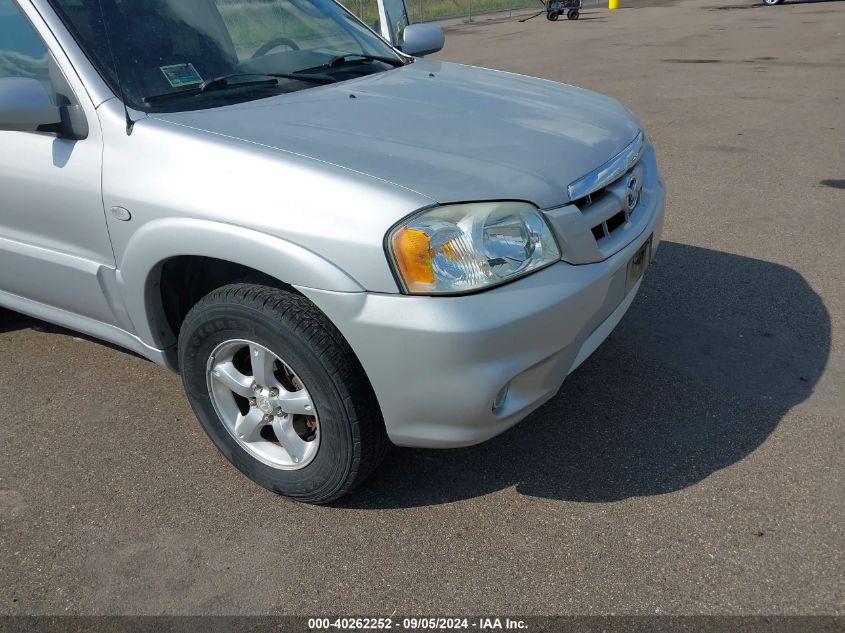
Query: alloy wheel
point(263, 404)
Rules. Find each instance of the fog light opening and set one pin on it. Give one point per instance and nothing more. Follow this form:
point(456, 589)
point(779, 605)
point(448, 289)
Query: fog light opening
point(499, 401)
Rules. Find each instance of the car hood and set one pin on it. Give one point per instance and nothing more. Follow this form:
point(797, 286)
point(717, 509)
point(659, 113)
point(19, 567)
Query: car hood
point(446, 131)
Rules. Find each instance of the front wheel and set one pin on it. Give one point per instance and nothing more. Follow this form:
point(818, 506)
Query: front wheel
point(280, 393)
point(573, 14)
point(772, 3)
point(552, 16)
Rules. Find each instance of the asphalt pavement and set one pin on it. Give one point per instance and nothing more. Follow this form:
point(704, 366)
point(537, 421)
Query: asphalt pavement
point(693, 465)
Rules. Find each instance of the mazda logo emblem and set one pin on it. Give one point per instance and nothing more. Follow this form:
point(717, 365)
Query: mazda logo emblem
point(632, 195)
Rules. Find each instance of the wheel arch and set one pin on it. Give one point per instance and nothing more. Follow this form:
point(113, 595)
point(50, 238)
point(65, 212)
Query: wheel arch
point(216, 252)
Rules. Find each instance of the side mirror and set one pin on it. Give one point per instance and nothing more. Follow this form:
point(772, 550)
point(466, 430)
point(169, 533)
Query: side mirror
point(25, 106)
point(422, 39)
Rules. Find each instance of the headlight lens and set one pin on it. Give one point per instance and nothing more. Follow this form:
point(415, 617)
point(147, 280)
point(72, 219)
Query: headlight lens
point(464, 247)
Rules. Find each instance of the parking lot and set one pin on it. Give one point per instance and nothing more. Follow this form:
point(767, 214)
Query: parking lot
point(693, 465)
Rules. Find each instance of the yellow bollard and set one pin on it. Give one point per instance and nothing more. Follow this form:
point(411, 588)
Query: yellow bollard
point(612, 4)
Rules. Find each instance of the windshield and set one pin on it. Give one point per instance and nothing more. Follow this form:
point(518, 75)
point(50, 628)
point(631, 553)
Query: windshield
point(168, 54)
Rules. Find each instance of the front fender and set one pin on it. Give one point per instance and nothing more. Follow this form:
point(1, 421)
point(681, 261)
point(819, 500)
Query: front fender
point(139, 271)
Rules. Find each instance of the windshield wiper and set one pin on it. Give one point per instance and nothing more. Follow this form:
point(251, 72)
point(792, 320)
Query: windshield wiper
point(222, 83)
point(352, 58)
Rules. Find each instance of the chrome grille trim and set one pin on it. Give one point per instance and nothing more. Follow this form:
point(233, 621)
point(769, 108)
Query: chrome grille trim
point(601, 210)
point(607, 214)
point(610, 171)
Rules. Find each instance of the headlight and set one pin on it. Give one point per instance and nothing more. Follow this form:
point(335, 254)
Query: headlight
point(464, 247)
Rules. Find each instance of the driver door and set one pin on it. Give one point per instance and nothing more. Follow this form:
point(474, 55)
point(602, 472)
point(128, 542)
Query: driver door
point(54, 244)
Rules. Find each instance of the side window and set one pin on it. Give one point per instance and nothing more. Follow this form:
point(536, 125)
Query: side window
point(397, 17)
point(22, 53)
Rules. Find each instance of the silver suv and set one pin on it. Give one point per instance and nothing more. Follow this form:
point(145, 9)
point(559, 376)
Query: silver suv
point(337, 243)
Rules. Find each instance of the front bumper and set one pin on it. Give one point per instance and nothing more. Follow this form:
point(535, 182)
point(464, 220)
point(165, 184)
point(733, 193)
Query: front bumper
point(437, 363)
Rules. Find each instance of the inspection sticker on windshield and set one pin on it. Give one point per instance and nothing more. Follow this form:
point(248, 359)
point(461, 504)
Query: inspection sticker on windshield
point(181, 75)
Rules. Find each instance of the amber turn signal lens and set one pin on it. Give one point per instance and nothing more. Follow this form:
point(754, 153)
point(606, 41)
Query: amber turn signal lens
point(412, 250)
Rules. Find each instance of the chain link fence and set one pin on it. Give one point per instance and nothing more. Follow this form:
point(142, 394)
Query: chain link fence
point(432, 10)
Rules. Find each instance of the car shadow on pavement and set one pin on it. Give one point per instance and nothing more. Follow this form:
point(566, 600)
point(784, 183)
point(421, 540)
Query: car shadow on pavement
point(11, 321)
point(713, 353)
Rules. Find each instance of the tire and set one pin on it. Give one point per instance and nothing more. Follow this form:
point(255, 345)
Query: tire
point(573, 14)
point(552, 16)
point(307, 355)
point(772, 3)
